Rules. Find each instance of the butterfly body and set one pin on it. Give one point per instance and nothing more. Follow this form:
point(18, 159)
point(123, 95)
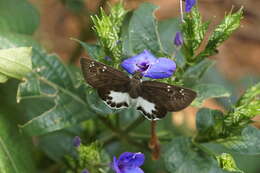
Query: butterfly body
point(117, 90)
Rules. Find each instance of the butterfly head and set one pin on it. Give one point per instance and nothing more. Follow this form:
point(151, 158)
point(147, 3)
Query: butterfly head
point(138, 75)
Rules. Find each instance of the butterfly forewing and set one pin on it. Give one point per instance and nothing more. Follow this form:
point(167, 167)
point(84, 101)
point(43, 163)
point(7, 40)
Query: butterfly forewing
point(100, 75)
point(112, 85)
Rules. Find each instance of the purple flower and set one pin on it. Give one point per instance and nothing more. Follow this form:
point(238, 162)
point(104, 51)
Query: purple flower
point(189, 4)
point(84, 171)
point(178, 40)
point(76, 141)
point(128, 163)
point(149, 65)
point(107, 58)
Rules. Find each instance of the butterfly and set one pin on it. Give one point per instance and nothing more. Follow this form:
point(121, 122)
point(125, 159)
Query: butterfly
point(118, 90)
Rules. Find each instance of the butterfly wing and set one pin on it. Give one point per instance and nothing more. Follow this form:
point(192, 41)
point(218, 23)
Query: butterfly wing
point(167, 98)
point(112, 85)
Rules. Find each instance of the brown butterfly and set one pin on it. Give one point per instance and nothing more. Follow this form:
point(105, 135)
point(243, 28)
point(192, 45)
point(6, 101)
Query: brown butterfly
point(117, 90)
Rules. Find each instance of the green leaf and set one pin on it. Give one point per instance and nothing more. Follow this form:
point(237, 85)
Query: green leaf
point(194, 73)
point(227, 163)
point(58, 144)
point(15, 62)
point(246, 108)
point(167, 30)
point(181, 157)
point(247, 143)
point(3, 78)
point(222, 32)
point(15, 154)
point(50, 83)
point(206, 91)
point(142, 32)
point(209, 124)
point(193, 30)
point(93, 50)
point(96, 104)
point(53, 80)
point(12, 40)
point(18, 16)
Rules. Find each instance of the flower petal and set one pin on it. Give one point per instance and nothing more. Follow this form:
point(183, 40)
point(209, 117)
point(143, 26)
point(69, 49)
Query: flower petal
point(129, 159)
point(163, 68)
point(132, 170)
point(131, 64)
point(189, 4)
point(115, 165)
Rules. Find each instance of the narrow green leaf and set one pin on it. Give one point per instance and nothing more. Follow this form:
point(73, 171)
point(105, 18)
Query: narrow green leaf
point(206, 91)
point(142, 31)
point(15, 154)
point(18, 16)
point(249, 103)
point(247, 143)
point(222, 32)
point(181, 157)
point(246, 108)
point(16, 62)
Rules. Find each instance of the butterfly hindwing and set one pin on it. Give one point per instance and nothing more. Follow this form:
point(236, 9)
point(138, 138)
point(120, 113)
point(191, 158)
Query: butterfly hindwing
point(112, 85)
point(167, 98)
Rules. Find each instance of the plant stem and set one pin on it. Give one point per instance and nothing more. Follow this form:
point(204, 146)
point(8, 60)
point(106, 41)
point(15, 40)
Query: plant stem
point(134, 124)
point(121, 134)
point(201, 147)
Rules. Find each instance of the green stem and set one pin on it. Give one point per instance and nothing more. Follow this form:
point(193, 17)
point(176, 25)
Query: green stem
point(121, 134)
point(209, 152)
point(134, 124)
point(147, 137)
